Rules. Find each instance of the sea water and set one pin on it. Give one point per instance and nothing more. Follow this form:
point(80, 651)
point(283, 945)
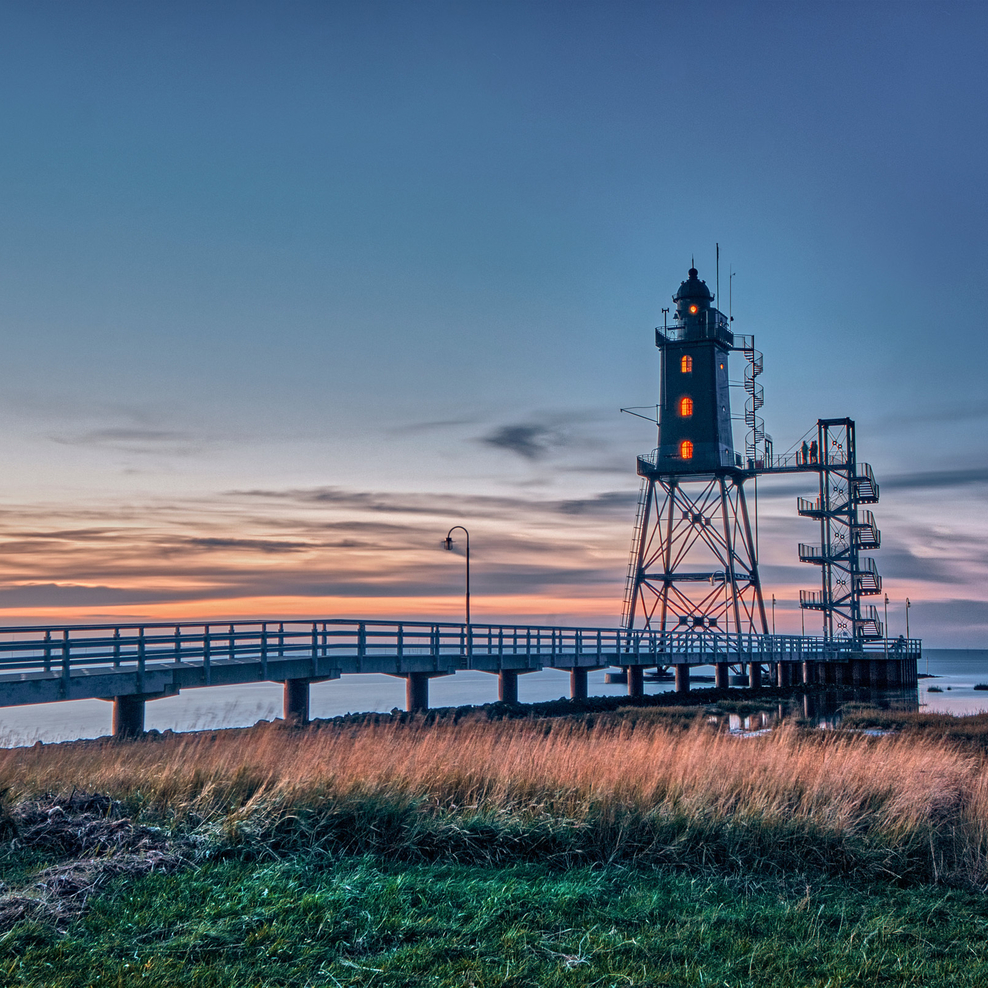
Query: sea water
point(954, 671)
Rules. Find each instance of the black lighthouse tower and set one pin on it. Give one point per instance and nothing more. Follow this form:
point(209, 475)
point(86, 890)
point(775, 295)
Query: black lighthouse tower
point(695, 419)
point(694, 563)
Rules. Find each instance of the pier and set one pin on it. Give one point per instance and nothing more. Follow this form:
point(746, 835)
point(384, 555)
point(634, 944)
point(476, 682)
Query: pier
point(131, 664)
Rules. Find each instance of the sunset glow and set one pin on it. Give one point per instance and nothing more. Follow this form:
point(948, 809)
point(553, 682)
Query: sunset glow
point(283, 301)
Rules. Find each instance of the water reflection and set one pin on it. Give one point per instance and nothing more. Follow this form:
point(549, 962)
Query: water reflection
point(823, 709)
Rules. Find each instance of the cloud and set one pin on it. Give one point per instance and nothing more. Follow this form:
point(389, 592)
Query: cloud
point(624, 467)
point(249, 545)
point(936, 479)
point(899, 563)
point(529, 441)
point(134, 440)
point(74, 595)
point(608, 501)
point(487, 506)
point(305, 543)
point(932, 414)
point(963, 623)
point(416, 428)
point(381, 501)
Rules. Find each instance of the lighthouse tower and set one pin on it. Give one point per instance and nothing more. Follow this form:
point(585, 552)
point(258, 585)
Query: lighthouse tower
point(693, 561)
point(695, 411)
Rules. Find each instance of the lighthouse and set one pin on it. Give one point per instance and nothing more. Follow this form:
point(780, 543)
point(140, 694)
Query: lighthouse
point(695, 435)
point(694, 560)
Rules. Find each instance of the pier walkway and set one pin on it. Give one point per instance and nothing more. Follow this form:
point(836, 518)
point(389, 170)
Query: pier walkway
point(130, 664)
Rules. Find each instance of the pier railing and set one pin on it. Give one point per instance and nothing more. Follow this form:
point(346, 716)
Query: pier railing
point(65, 649)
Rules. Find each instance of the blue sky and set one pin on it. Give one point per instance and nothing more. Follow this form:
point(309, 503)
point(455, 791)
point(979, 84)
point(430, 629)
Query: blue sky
point(287, 289)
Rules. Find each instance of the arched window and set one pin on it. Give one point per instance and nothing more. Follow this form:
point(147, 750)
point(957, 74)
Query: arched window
point(686, 450)
point(686, 364)
point(685, 407)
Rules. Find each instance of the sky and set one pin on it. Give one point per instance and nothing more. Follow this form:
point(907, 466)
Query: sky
point(288, 289)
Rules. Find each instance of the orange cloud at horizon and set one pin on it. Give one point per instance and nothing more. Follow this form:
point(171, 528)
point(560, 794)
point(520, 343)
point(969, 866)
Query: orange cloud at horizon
point(336, 554)
point(594, 611)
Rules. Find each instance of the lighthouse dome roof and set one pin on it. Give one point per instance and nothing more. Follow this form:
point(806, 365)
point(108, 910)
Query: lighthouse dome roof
point(693, 289)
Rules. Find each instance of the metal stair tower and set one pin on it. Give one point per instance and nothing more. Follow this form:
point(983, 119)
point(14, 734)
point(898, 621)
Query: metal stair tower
point(845, 529)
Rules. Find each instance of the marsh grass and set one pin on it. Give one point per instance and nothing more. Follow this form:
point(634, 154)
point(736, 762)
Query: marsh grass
point(968, 733)
point(595, 789)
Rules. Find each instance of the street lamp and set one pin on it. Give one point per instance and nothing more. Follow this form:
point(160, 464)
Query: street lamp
point(448, 544)
point(773, 614)
point(886, 626)
point(907, 619)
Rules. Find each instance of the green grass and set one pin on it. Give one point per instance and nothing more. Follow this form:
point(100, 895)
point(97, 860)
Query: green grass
point(307, 921)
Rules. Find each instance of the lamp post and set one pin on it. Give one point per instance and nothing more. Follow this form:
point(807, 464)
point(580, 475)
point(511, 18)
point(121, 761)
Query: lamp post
point(907, 619)
point(448, 544)
point(773, 614)
point(886, 626)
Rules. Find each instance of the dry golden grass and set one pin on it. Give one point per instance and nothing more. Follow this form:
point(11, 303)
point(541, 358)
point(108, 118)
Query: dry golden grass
point(889, 805)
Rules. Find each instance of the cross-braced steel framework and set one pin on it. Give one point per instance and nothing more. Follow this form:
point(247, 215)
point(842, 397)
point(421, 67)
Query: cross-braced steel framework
point(701, 523)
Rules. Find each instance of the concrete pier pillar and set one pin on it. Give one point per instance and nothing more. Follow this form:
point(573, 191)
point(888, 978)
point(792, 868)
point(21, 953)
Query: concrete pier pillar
point(636, 680)
point(296, 705)
point(417, 691)
point(507, 686)
point(795, 673)
point(722, 675)
point(783, 675)
point(809, 672)
point(858, 673)
point(578, 684)
point(128, 716)
point(880, 673)
point(754, 674)
point(682, 678)
point(893, 672)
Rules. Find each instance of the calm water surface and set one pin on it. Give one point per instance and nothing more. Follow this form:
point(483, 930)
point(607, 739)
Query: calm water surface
point(957, 672)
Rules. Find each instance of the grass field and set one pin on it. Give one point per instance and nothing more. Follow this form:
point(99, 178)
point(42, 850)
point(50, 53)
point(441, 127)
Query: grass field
point(303, 922)
point(640, 847)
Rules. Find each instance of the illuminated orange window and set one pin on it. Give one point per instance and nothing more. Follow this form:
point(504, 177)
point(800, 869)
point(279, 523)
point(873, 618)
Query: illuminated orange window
point(686, 450)
point(693, 310)
point(686, 365)
point(685, 407)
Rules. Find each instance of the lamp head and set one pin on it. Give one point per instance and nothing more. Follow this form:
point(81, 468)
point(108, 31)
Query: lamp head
point(448, 543)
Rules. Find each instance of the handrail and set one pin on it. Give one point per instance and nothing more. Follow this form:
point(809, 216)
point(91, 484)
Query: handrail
point(140, 647)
